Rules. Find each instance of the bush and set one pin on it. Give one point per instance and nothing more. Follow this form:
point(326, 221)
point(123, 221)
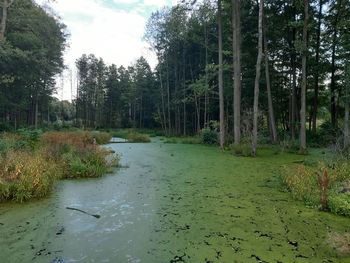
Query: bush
point(76, 139)
point(319, 185)
point(327, 133)
point(31, 137)
point(138, 137)
point(339, 203)
point(26, 175)
point(242, 149)
point(209, 136)
point(101, 137)
point(91, 163)
point(30, 174)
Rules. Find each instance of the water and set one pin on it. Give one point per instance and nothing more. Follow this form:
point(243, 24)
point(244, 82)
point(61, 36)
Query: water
point(171, 203)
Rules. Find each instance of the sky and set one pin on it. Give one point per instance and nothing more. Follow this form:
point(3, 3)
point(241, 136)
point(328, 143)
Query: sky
point(110, 29)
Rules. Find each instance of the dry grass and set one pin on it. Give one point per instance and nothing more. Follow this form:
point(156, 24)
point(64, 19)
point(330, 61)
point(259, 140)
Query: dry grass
point(340, 242)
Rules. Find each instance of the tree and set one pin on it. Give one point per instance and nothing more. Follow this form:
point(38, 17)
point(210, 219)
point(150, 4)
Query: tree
point(347, 106)
point(304, 77)
point(272, 122)
point(236, 22)
point(257, 80)
point(221, 86)
point(317, 73)
point(5, 6)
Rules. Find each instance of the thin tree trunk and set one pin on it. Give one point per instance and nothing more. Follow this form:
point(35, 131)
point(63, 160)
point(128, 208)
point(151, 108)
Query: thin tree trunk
point(5, 5)
point(257, 80)
point(184, 92)
point(272, 121)
point(221, 85)
point(318, 42)
point(294, 79)
point(36, 112)
point(347, 101)
point(236, 21)
point(333, 81)
point(163, 107)
point(303, 84)
point(206, 78)
point(168, 95)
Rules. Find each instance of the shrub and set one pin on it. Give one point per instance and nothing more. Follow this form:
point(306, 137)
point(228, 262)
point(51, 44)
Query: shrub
point(31, 137)
point(242, 149)
point(301, 181)
point(138, 137)
point(101, 137)
point(319, 185)
point(339, 203)
point(31, 174)
point(327, 134)
point(26, 175)
point(209, 136)
point(76, 139)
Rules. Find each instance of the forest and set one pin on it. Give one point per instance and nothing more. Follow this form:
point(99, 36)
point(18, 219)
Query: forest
point(245, 115)
point(222, 66)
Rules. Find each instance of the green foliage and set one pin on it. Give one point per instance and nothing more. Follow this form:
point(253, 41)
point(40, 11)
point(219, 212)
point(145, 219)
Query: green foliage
point(319, 185)
point(209, 136)
point(339, 203)
point(242, 149)
point(101, 137)
point(31, 56)
point(327, 134)
point(184, 140)
point(138, 137)
point(27, 173)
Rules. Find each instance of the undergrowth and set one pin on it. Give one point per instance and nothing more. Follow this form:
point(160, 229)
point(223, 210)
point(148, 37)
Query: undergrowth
point(323, 185)
point(30, 163)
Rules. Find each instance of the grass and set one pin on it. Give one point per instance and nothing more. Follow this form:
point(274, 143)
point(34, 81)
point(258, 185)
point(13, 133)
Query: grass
point(340, 242)
point(183, 140)
point(29, 165)
point(321, 184)
point(133, 135)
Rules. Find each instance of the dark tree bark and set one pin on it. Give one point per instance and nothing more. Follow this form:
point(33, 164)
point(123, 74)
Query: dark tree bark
point(318, 42)
point(221, 85)
point(303, 84)
point(5, 5)
point(333, 81)
point(257, 80)
point(236, 22)
point(272, 122)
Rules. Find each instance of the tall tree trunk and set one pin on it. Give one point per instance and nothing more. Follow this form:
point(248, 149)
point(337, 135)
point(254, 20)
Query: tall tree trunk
point(272, 121)
point(318, 42)
point(36, 113)
point(206, 78)
point(163, 107)
point(347, 101)
point(303, 84)
point(294, 79)
point(257, 80)
point(168, 94)
point(221, 85)
point(333, 81)
point(184, 90)
point(236, 21)
point(5, 5)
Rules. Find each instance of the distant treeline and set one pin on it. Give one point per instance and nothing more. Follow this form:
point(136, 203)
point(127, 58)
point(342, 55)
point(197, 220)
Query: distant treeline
point(304, 48)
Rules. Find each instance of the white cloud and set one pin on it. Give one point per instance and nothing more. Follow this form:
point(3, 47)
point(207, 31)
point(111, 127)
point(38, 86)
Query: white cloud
point(111, 33)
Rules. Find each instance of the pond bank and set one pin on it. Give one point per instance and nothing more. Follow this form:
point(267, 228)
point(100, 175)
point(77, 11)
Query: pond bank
point(174, 203)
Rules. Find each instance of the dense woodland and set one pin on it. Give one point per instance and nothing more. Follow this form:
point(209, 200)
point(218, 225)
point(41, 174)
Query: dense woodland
point(252, 70)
